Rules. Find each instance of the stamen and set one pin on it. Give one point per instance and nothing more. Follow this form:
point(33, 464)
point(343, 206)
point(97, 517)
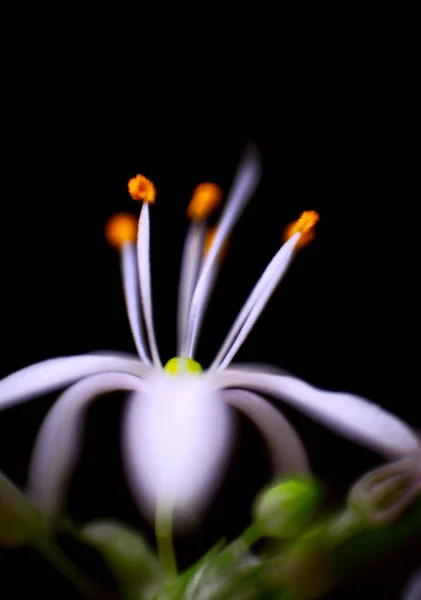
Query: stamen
point(131, 295)
point(190, 268)
point(209, 285)
point(143, 257)
point(120, 232)
point(206, 198)
point(304, 225)
point(142, 189)
point(256, 302)
point(209, 239)
point(121, 229)
point(243, 187)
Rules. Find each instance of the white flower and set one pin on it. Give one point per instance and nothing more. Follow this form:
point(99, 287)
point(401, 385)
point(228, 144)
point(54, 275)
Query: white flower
point(177, 426)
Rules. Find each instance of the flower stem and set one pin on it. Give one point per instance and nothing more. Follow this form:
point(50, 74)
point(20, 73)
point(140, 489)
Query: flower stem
point(163, 533)
point(251, 535)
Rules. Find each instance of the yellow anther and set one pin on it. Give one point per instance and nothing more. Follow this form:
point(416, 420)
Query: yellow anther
point(121, 228)
point(210, 236)
point(305, 225)
point(142, 189)
point(206, 197)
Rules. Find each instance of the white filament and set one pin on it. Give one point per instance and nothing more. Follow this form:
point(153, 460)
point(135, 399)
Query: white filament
point(131, 295)
point(242, 189)
point(209, 285)
point(143, 257)
point(255, 303)
point(190, 268)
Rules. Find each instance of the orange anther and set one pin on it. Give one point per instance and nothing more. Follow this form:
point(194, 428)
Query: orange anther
point(206, 197)
point(120, 229)
point(142, 189)
point(305, 225)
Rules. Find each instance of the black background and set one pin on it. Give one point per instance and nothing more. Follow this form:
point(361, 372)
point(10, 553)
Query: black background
point(337, 137)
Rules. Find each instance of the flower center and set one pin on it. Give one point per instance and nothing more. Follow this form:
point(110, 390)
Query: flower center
point(182, 365)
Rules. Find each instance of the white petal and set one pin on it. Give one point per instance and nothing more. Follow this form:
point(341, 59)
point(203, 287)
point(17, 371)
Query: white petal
point(59, 439)
point(351, 416)
point(131, 295)
point(286, 449)
point(143, 257)
point(245, 183)
point(176, 440)
point(412, 590)
point(52, 374)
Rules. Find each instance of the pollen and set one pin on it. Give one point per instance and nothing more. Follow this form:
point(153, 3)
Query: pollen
point(142, 189)
point(304, 225)
point(206, 198)
point(120, 229)
point(210, 236)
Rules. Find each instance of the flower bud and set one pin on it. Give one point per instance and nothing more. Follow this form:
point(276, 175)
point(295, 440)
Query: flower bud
point(283, 510)
point(383, 494)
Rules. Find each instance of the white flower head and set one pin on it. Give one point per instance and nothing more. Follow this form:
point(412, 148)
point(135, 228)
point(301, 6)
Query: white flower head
point(177, 428)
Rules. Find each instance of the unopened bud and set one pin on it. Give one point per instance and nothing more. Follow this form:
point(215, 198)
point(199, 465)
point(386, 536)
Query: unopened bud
point(283, 510)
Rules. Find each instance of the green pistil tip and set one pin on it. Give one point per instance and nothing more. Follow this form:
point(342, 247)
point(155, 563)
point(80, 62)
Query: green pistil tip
point(182, 366)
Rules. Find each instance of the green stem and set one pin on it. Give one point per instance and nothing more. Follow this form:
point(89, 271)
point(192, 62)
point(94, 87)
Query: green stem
point(345, 525)
point(163, 533)
point(371, 543)
point(51, 551)
point(244, 542)
point(251, 535)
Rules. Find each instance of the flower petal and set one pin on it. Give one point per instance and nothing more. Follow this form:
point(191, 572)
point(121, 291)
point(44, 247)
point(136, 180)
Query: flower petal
point(175, 442)
point(59, 439)
point(351, 416)
point(412, 590)
point(44, 377)
point(287, 451)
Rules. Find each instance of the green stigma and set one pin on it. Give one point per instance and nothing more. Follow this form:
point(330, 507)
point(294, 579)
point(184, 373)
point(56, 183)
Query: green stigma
point(182, 366)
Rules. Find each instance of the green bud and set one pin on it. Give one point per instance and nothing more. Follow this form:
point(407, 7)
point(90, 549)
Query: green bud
point(124, 550)
point(20, 520)
point(284, 510)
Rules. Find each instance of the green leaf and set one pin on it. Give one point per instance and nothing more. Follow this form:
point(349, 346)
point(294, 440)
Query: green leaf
point(126, 553)
point(20, 520)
